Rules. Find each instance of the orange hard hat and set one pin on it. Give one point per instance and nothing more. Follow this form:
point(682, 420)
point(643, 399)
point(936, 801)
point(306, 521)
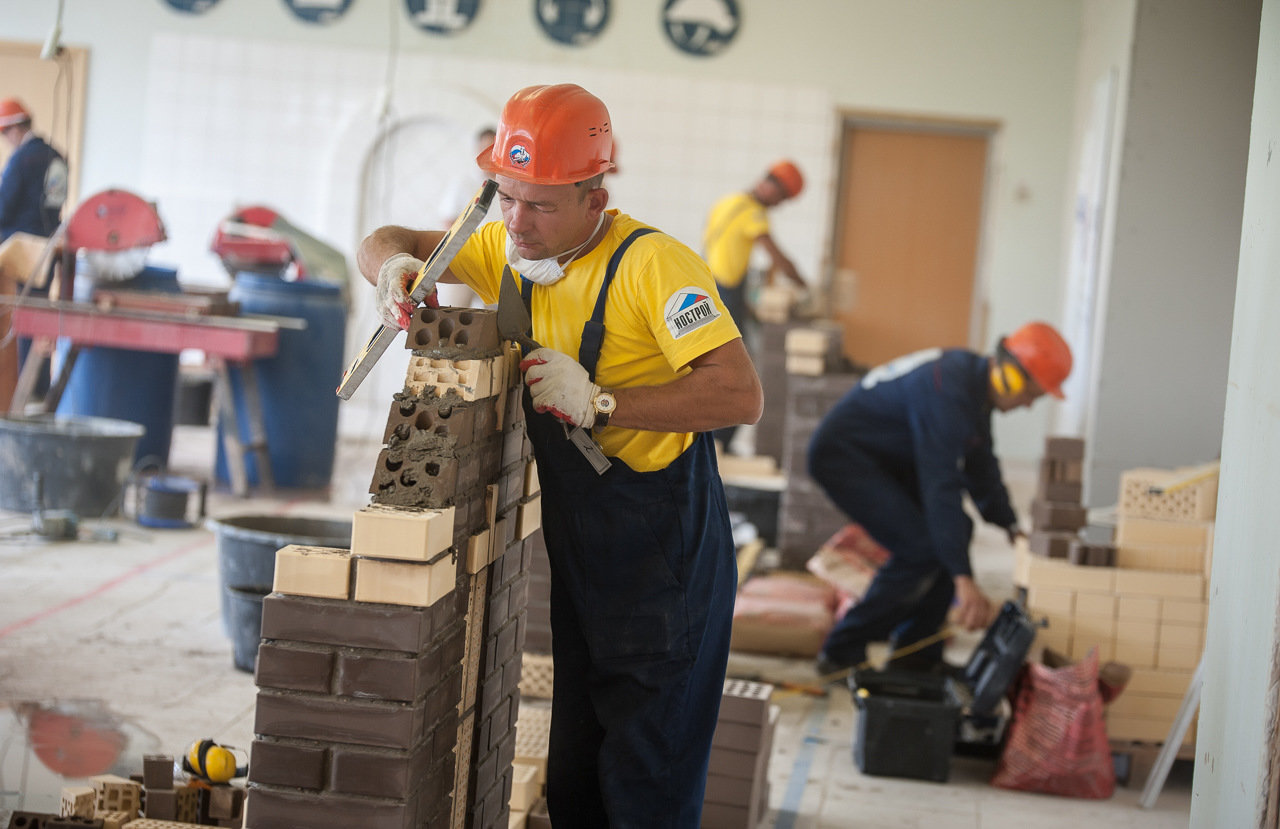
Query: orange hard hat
point(1043, 353)
point(12, 112)
point(551, 135)
point(788, 175)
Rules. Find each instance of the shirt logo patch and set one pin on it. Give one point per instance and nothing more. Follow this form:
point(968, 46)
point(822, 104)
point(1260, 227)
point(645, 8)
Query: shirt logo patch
point(519, 156)
point(689, 309)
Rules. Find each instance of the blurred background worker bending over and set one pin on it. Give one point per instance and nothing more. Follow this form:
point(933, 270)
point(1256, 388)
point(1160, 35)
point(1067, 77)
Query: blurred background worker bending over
point(736, 224)
point(897, 454)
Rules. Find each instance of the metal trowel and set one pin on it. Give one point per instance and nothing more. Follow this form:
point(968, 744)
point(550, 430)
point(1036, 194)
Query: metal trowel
point(514, 323)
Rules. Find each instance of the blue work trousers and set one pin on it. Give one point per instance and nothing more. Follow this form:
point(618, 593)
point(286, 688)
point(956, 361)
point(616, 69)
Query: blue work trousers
point(909, 596)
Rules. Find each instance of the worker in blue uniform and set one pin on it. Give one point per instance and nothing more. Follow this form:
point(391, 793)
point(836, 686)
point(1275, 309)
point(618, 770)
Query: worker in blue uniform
point(33, 187)
point(637, 348)
point(897, 454)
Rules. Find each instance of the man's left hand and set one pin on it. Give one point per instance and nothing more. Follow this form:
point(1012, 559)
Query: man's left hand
point(560, 385)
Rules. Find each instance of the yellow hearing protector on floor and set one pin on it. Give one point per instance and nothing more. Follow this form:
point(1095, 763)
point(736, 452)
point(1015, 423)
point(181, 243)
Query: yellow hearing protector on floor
point(210, 761)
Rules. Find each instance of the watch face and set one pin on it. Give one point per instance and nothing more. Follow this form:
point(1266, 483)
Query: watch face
point(605, 402)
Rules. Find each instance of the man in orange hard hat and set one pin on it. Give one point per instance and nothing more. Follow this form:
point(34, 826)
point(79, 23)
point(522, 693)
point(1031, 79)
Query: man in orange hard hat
point(33, 186)
point(736, 225)
point(897, 454)
point(637, 348)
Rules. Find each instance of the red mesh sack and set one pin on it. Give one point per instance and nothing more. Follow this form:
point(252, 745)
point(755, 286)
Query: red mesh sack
point(1058, 739)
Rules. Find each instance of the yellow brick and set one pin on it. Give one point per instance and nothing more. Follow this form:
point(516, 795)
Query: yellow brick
point(1057, 637)
point(1138, 607)
point(1155, 532)
point(77, 801)
point(403, 533)
point(1136, 655)
point(323, 572)
point(806, 365)
point(1092, 629)
point(1080, 647)
point(1177, 657)
point(810, 341)
point(404, 583)
point(1135, 704)
point(1096, 604)
point(1163, 559)
point(529, 517)
point(525, 788)
point(531, 485)
point(1138, 729)
point(1141, 632)
point(1051, 602)
point(1165, 585)
point(1157, 682)
point(1185, 611)
point(479, 551)
point(1055, 574)
point(1176, 635)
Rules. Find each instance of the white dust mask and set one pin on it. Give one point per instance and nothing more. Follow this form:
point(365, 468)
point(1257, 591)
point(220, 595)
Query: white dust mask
point(546, 271)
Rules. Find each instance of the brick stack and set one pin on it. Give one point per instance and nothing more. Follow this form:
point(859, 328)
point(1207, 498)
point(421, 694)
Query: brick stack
point(1148, 612)
point(814, 349)
point(737, 794)
point(806, 517)
point(529, 769)
point(1056, 511)
point(388, 674)
point(771, 365)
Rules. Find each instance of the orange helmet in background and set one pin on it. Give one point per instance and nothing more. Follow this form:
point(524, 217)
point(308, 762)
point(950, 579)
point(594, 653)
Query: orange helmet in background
point(551, 135)
point(1042, 353)
point(788, 176)
point(12, 112)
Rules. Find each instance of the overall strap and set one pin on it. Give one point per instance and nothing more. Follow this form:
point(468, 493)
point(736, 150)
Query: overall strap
point(593, 329)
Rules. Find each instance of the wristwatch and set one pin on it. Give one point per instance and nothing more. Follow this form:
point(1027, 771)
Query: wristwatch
point(604, 403)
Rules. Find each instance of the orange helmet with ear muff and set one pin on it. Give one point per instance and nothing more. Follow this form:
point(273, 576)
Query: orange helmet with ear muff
point(1041, 353)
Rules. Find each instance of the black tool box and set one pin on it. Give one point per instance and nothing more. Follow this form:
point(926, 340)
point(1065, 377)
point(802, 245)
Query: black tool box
point(910, 724)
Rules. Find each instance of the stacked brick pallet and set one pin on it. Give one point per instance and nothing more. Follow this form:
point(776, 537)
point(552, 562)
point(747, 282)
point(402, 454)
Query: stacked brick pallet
point(151, 800)
point(1148, 611)
point(806, 517)
point(737, 795)
point(1057, 515)
point(771, 365)
point(388, 674)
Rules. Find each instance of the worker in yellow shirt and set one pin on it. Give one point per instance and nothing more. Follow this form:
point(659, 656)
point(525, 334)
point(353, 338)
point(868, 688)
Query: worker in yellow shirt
point(635, 347)
point(736, 224)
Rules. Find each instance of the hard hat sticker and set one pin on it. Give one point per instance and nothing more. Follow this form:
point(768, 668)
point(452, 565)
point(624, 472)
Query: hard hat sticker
point(519, 156)
point(689, 309)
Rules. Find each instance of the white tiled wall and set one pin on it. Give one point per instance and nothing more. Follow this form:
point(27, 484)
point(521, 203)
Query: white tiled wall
point(313, 131)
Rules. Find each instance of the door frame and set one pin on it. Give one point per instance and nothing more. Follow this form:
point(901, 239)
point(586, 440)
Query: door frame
point(853, 119)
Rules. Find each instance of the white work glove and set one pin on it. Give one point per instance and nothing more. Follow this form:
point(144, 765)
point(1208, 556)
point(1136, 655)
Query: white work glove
point(394, 278)
point(560, 385)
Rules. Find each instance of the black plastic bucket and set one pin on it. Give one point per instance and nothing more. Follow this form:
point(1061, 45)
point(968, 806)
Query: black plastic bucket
point(247, 546)
point(65, 463)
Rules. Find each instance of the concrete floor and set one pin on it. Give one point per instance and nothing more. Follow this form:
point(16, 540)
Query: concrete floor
point(125, 637)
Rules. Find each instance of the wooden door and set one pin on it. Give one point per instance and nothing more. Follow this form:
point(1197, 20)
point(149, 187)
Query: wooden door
point(908, 221)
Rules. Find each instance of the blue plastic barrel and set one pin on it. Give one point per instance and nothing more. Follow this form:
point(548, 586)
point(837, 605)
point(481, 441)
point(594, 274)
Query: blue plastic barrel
point(124, 384)
point(296, 385)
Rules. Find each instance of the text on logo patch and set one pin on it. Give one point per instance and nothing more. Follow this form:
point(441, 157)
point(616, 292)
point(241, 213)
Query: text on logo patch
point(689, 309)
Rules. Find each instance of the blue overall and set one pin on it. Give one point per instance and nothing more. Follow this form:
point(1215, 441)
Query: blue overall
point(642, 587)
point(897, 454)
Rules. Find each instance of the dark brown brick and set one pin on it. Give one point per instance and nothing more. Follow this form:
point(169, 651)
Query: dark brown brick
point(375, 773)
point(353, 624)
point(269, 808)
point(372, 723)
point(381, 675)
point(294, 667)
point(292, 765)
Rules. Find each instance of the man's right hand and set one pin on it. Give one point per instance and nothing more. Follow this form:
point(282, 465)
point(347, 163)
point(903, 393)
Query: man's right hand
point(972, 608)
point(394, 277)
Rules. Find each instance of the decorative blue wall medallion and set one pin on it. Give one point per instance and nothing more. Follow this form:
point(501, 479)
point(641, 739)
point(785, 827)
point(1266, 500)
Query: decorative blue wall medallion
point(318, 11)
point(191, 6)
point(572, 22)
point(701, 27)
point(442, 17)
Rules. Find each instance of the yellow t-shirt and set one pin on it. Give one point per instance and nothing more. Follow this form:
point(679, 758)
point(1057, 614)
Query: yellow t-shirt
point(734, 224)
point(662, 312)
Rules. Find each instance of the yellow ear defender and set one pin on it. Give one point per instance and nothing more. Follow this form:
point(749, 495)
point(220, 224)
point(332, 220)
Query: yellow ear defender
point(213, 762)
point(1007, 377)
